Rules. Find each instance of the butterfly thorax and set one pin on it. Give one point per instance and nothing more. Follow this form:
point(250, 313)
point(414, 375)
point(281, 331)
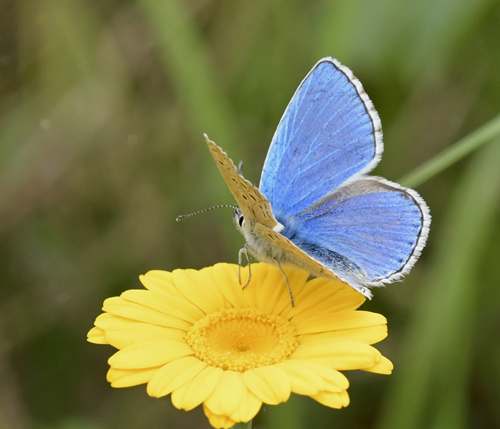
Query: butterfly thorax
point(259, 245)
point(262, 245)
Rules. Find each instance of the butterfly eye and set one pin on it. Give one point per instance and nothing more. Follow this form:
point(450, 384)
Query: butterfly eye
point(238, 218)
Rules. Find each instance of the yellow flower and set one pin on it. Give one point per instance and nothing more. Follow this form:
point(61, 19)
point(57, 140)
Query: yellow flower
point(200, 337)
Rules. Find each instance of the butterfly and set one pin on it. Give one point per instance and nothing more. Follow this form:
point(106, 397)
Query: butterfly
point(316, 208)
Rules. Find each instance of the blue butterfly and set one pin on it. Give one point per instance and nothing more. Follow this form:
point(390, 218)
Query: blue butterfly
point(315, 207)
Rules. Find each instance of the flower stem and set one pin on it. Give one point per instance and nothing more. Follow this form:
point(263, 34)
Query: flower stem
point(247, 425)
point(452, 154)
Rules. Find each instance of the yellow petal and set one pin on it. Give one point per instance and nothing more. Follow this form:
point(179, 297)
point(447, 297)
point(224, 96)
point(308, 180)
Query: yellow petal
point(226, 277)
point(108, 323)
point(128, 333)
point(334, 380)
point(173, 375)
point(250, 406)
point(121, 307)
point(332, 399)
point(259, 278)
point(321, 295)
point(218, 421)
point(121, 332)
point(274, 296)
point(368, 335)
point(105, 319)
point(96, 336)
point(199, 288)
point(194, 392)
point(338, 321)
point(149, 354)
point(227, 396)
point(160, 281)
point(383, 366)
point(129, 377)
point(270, 384)
point(303, 380)
point(267, 289)
point(163, 303)
point(339, 354)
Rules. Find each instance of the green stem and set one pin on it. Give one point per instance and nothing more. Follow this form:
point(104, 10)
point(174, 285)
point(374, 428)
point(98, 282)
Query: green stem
point(452, 154)
point(247, 425)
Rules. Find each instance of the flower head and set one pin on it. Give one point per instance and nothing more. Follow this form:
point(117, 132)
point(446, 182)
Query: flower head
point(198, 336)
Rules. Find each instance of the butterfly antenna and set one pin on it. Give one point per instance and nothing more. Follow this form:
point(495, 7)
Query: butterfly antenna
point(178, 218)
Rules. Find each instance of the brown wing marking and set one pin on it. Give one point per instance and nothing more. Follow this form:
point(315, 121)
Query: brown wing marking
point(253, 204)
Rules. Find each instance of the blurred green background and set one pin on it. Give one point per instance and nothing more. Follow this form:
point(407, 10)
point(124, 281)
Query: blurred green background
point(102, 108)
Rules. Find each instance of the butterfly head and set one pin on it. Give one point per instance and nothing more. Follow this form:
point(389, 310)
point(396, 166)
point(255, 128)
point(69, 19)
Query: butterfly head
point(238, 219)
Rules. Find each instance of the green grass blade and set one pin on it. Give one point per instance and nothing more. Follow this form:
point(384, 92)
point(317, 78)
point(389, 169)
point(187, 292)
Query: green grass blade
point(452, 154)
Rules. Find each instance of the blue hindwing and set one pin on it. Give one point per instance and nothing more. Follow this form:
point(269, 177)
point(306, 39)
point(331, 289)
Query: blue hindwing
point(368, 232)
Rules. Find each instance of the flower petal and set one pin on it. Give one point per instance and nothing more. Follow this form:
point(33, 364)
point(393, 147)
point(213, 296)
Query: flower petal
point(332, 399)
point(173, 375)
point(259, 277)
point(149, 354)
point(129, 377)
point(275, 298)
point(194, 392)
point(218, 421)
point(121, 332)
point(339, 354)
point(96, 336)
point(250, 406)
point(334, 380)
point(121, 307)
point(108, 323)
point(368, 334)
point(322, 296)
point(226, 277)
point(128, 333)
point(270, 384)
point(160, 281)
point(227, 396)
point(339, 321)
point(199, 288)
point(163, 303)
point(104, 320)
point(303, 380)
point(383, 366)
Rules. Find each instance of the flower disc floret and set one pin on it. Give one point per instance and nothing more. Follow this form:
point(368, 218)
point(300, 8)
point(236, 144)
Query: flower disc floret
point(242, 339)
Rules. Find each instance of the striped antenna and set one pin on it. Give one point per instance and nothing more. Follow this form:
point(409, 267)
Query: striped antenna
point(178, 218)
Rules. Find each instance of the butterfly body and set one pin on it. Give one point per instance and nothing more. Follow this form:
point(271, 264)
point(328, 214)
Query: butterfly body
point(315, 207)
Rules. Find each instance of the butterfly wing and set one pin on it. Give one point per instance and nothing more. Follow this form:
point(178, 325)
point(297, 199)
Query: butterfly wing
point(287, 252)
point(254, 206)
point(376, 226)
point(329, 132)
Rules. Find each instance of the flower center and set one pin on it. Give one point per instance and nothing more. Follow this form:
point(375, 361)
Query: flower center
point(241, 339)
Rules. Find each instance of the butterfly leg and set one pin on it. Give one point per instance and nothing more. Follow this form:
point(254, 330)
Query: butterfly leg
point(244, 251)
point(286, 281)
